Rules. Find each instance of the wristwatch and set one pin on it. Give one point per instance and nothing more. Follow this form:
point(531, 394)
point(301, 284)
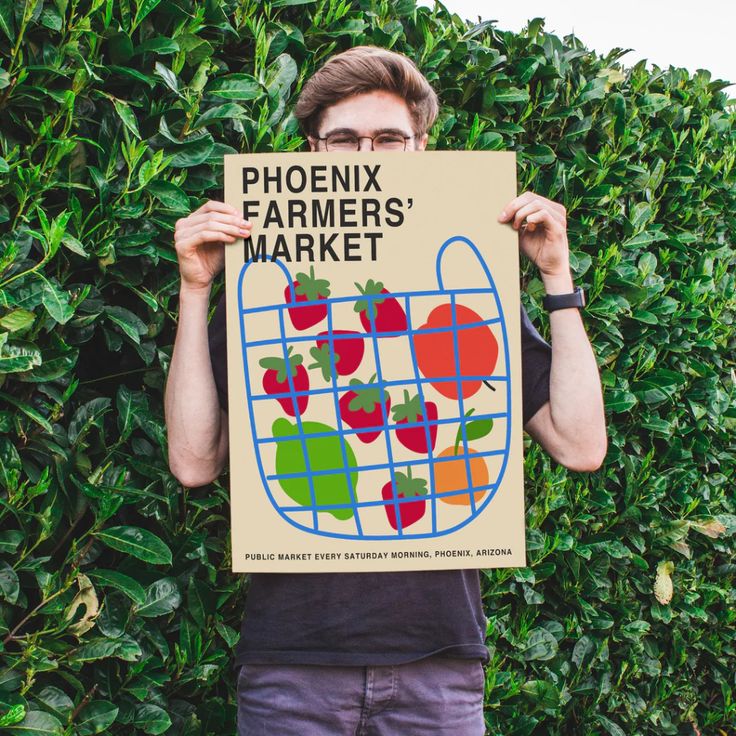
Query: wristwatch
point(563, 301)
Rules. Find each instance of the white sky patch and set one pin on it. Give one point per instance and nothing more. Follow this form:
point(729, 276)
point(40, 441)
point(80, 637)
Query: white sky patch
point(690, 35)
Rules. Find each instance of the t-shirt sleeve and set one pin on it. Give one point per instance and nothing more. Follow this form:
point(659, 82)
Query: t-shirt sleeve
point(536, 361)
point(217, 338)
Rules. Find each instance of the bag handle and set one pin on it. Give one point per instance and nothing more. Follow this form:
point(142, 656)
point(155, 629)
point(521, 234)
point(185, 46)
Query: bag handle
point(473, 248)
point(284, 270)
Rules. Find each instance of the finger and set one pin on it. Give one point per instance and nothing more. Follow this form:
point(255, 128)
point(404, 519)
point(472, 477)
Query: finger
point(522, 212)
point(224, 227)
point(510, 209)
point(557, 210)
point(214, 205)
point(215, 231)
point(545, 216)
point(545, 205)
point(215, 217)
point(204, 238)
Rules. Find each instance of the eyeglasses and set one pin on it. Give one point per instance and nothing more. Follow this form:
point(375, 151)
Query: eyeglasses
point(342, 141)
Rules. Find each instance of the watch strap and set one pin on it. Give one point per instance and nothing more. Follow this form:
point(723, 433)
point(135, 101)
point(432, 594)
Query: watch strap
point(575, 298)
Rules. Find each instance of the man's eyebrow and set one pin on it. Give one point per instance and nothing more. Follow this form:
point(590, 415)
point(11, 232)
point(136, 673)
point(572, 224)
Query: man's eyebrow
point(378, 131)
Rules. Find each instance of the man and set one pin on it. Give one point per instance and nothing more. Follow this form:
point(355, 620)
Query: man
point(386, 652)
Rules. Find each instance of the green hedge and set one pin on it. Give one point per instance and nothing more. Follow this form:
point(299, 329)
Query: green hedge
point(118, 610)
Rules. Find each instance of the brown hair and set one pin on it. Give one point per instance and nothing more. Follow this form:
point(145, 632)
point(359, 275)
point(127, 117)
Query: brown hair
point(365, 69)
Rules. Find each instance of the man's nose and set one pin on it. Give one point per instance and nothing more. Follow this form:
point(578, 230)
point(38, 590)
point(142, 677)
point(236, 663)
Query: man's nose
point(365, 144)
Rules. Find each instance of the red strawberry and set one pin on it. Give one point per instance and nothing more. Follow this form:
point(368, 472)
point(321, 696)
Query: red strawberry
point(406, 487)
point(307, 289)
point(348, 353)
point(276, 381)
point(362, 408)
point(415, 438)
point(387, 312)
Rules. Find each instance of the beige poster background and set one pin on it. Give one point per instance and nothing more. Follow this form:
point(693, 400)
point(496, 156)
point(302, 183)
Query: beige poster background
point(392, 213)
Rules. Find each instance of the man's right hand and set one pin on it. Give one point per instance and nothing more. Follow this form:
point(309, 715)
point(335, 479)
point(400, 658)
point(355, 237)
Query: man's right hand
point(200, 240)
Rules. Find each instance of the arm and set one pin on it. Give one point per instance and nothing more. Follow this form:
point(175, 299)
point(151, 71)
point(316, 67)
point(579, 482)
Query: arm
point(571, 425)
point(196, 425)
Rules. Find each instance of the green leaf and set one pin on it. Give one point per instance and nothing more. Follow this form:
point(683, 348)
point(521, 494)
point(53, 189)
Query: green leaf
point(18, 319)
point(169, 78)
point(37, 723)
point(118, 580)
point(540, 644)
point(235, 87)
point(17, 357)
point(9, 584)
point(127, 116)
point(162, 597)
point(170, 195)
point(281, 75)
point(88, 415)
point(130, 323)
point(143, 9)
point(543, 693)
point(29, 411)
point(10, 539)
point(151, 718)
point(132, 406)
point(137, 542)
point(55, 701)
point(228, 111)
point(97, 716)
point(512, 94)
point(539, 153)
point(56, 302)
point(478, 428)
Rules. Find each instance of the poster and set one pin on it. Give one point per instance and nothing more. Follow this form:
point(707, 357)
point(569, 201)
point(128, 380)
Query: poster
point(374, 367)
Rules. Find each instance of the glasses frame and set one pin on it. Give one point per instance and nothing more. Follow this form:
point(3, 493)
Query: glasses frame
point(371, 138)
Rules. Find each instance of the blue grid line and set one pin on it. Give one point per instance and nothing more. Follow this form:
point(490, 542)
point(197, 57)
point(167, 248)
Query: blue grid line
point(388, 466)
point(405, 425)
point(369, 335)
point(387, 384)
point(372, 313)
point(340, 429)
point(249, 392)
point(382, 385)
point(298, 418)
point(426, 423)
point(494, 291)
point(338, 299)
point(463, 425)
point(386, 502)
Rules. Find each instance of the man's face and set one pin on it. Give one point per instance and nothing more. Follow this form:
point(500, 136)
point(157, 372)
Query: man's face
point(369, 114)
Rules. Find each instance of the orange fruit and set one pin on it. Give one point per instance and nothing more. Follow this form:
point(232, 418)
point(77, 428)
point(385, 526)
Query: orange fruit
point(452, 475)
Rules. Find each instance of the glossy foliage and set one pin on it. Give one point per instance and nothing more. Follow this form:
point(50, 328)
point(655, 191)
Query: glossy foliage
point(118, 610)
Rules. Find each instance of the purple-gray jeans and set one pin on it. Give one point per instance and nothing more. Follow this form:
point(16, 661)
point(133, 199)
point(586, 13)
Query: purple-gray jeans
point(434, 695)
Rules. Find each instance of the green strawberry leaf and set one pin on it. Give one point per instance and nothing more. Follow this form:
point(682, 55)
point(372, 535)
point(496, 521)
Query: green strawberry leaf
point(410, 409)
point(368, 305)
point(279, 364)
point(321, 357)
point(409, 486)
point(366, 399)
point(310, 286)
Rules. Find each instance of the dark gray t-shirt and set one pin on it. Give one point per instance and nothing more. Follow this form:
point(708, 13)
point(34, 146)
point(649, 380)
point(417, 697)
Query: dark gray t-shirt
point(370, 618)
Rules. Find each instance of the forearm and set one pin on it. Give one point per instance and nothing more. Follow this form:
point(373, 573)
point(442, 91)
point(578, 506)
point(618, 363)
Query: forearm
point(576, 399)
point(197, 435)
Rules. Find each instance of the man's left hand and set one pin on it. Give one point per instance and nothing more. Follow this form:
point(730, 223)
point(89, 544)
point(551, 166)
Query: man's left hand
point(543, 237)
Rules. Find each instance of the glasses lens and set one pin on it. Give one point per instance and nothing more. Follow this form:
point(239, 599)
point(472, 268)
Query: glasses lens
point(388, 142)
point(341, 142)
